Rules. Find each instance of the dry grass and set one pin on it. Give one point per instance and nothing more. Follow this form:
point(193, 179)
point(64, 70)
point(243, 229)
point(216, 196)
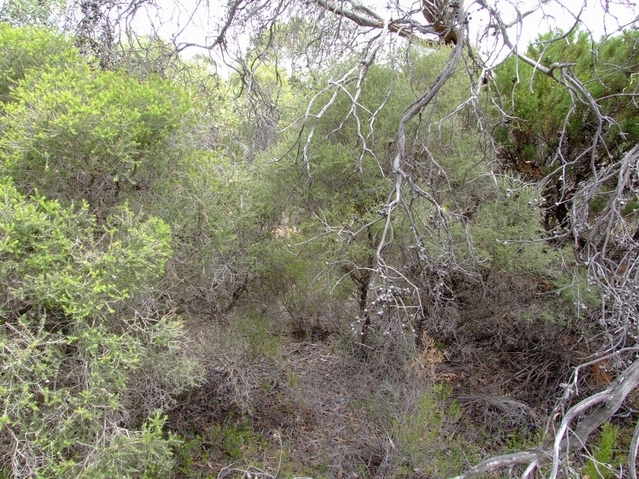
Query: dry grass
point(310, 405)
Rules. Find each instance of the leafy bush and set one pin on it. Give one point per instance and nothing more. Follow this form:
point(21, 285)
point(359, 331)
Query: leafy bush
point(80, 134)
point(426, 435)
point(28, 48)
point(81, 382)
point(30, 12)
point(546, 129)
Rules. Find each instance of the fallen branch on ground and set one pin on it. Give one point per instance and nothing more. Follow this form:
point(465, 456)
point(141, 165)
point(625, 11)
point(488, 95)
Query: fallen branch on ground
point(568, 441)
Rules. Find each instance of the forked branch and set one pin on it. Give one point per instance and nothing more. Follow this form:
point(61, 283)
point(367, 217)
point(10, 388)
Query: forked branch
point(404, 27)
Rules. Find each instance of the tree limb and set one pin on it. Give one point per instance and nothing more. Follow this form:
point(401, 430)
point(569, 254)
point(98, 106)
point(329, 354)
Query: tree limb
point(609, 401)
point(365, 17)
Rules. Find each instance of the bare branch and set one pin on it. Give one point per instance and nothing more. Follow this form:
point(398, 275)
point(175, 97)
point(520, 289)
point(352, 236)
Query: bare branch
point(233, 10)
point(566, 442)
point(365, 17)
point(409, 113)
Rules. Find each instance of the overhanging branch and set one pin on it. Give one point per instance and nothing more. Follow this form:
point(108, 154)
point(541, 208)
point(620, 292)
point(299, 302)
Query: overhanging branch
point(365, 17)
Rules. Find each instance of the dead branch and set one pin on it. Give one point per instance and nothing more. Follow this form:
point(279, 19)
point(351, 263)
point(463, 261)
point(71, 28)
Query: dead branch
point(365, 17)
point(605, 404)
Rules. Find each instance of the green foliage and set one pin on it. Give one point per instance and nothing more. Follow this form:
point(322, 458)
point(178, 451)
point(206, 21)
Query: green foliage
point(603, 455)
point(259, 335)
point(204, 454)
point(50, 255)
point(507, 232)
point(73, 368)
point(219, 234)
point(144, 454)
point(32, 12)
point(332, 181)
point(547, 127)
point(235, 440)
point(334, 194)
point(88, 361)
point(424, 436)
point(80, 134)
point(28, 48)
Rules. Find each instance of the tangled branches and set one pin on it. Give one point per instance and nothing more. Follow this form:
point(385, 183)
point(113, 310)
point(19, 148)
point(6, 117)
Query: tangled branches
point(593, 411)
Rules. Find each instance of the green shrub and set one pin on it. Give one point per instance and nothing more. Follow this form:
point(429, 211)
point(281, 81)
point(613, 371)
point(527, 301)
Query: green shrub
point(599, 466)
point(426, 438)
point(33, 12)
point(82, 377)
point(83, 134)
point(25, 49)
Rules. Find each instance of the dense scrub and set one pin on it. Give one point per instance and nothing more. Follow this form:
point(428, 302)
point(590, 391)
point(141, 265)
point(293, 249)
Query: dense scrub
point(202, 279)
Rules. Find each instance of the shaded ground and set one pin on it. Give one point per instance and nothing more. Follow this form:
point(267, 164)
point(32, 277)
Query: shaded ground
point(276, 405)
point(317, 402)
